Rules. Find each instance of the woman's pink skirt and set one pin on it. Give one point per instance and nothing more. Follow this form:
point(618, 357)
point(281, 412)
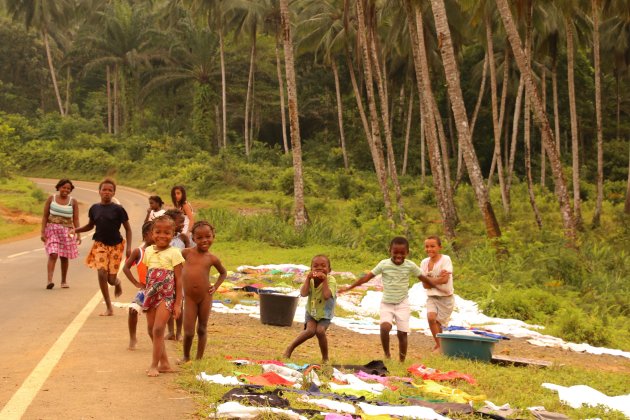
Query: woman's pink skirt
point(58, 241)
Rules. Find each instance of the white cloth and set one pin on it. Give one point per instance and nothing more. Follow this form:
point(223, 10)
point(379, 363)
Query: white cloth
point(218, 379)
point(233, 409)
point(578, 395)
point(354, 383)
point(407, 411)
point(340, 407)
point(443, 264)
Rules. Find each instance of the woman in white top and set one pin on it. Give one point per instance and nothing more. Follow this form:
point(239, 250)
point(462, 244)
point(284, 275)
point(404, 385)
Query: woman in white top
point(61, 216)
point(178, 195)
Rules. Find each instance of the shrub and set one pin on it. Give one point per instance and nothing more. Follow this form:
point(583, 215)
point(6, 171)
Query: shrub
point(574, 325)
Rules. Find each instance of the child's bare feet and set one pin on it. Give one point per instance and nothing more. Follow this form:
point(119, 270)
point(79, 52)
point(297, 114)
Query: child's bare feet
point(153, 372)
point(118, 288)
point(170, 336)
point(109, 312)
point(437, 350)
point(166, 369)
point(64, 285)
point(183, 361)
point(178, 337)
point(132, 344)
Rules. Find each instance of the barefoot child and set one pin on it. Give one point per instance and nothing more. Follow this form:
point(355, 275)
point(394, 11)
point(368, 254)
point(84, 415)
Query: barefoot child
point(181, 242)
point(106, 253)
point(321, 289)
point(155, 208)
point(163, 296)
point(136, 259)
point(396, 271)
point(437, 270)
point(197, 288)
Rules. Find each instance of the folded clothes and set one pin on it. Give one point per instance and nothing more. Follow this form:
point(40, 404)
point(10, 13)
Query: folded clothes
point(434, 374)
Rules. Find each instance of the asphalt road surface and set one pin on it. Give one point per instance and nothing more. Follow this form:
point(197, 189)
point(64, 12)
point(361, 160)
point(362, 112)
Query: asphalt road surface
point(58, 358)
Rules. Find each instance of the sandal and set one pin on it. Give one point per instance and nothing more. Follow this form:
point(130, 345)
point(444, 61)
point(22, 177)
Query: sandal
point(49, 286)
point(65, 286)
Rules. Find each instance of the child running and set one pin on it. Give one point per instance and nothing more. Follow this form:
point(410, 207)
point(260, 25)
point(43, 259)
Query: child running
point(395, 271)
point(437, 269)
point(197, 288)
point(155, 208)
point(136, 258)
point(163, 296)
point(106, 253)
point(179, 241)
point(321, 289)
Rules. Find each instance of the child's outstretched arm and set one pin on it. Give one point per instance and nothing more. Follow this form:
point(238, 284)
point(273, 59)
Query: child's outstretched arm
point(222, 275)
point(367, 277)
point(85, 228)
point(179, 291)
point(133, 258)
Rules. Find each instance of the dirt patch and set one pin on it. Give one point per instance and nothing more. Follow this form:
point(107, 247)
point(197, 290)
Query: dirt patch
point(19, 217)
point(243, 330)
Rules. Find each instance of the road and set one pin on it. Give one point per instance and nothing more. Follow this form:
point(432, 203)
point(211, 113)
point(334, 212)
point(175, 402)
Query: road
point(59, 359)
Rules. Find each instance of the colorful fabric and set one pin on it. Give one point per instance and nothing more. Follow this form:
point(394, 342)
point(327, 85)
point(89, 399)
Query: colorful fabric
point(435, 375)
point(138, 299)
point(451, 394)
point(266, 379)
point(395, 278)
point(61, 210)
point(443, 264)
point(160, 288)
point(59, 241)
point(318, 307)
point(407, 411)
point(105, 257)
point(233, 409)
point(107, 219)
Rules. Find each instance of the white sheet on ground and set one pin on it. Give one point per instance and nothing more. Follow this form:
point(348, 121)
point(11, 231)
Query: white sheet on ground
point(218, 379)
point(338, 406)
point(577, 395)
point(233, 409)
point(407, 411)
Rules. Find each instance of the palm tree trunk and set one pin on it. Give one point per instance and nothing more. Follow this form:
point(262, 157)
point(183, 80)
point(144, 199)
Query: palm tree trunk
point(296, 146)
point(407, 134)
point(461, 118)
point(598, 115)
point(116, 102)
point(223, 87)
point(543, 158)
point(283, 117)
point(427, 120)
point(109, 100)
point(53, 75)
point(217, 122)
point(67, 107)
point(556, 114)
point(423, 159)
point(375, 129)
point(384, 101)
point(626, 207)
point(556, 166)
point(618, 94)
point(515, 124)
point(342, 136)
point(473, 121)
point(250, 82)
point(574, 125)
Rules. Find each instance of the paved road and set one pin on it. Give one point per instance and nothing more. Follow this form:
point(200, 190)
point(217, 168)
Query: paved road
point(96, 376)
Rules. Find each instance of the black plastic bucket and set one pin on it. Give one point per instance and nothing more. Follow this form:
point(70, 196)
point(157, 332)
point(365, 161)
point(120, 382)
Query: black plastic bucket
point(277, 309)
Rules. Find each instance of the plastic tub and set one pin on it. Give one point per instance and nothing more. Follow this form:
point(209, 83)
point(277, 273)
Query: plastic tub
point(277, 309)
point(473, 347)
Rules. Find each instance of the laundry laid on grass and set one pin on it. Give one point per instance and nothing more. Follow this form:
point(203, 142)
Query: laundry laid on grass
point(577, 395)
point(239, 296)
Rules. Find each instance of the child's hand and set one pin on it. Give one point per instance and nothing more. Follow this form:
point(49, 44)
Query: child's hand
point(177, 311)
point(319, 275)
point(343, 289)
point(211, 289)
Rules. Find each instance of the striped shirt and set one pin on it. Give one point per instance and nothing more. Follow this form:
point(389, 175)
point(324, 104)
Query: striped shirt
point(61, 210)
point(396, 279)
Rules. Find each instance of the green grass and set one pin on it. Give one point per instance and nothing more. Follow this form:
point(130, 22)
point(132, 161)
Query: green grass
point(19, 197)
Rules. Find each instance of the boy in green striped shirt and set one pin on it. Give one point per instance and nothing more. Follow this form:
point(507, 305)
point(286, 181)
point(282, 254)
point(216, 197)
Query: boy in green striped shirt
point(395, 272)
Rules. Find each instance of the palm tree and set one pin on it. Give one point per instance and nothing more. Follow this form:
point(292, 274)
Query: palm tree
point(461, 118)
point(550, 147)
point(46, 16)
point(192, 60)
point(294, 123)
point(595, 6)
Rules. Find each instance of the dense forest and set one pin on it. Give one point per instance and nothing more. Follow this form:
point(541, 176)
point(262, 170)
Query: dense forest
point(497, 115)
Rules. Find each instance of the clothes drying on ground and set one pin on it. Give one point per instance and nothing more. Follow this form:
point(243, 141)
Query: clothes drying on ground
point(375, 367)
point(266, 379)
point(443, 407)
point(452, 394)
point(435, 375)
point(218, 379)
point(476, 331)
point(335, 416)
point(355, 383)
point(340, 407)
point(256, 396)
point(504, 411)
point(412, 412)
point(578, 395)
point(542, 414)
point(289, 374)
point(233, 409)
